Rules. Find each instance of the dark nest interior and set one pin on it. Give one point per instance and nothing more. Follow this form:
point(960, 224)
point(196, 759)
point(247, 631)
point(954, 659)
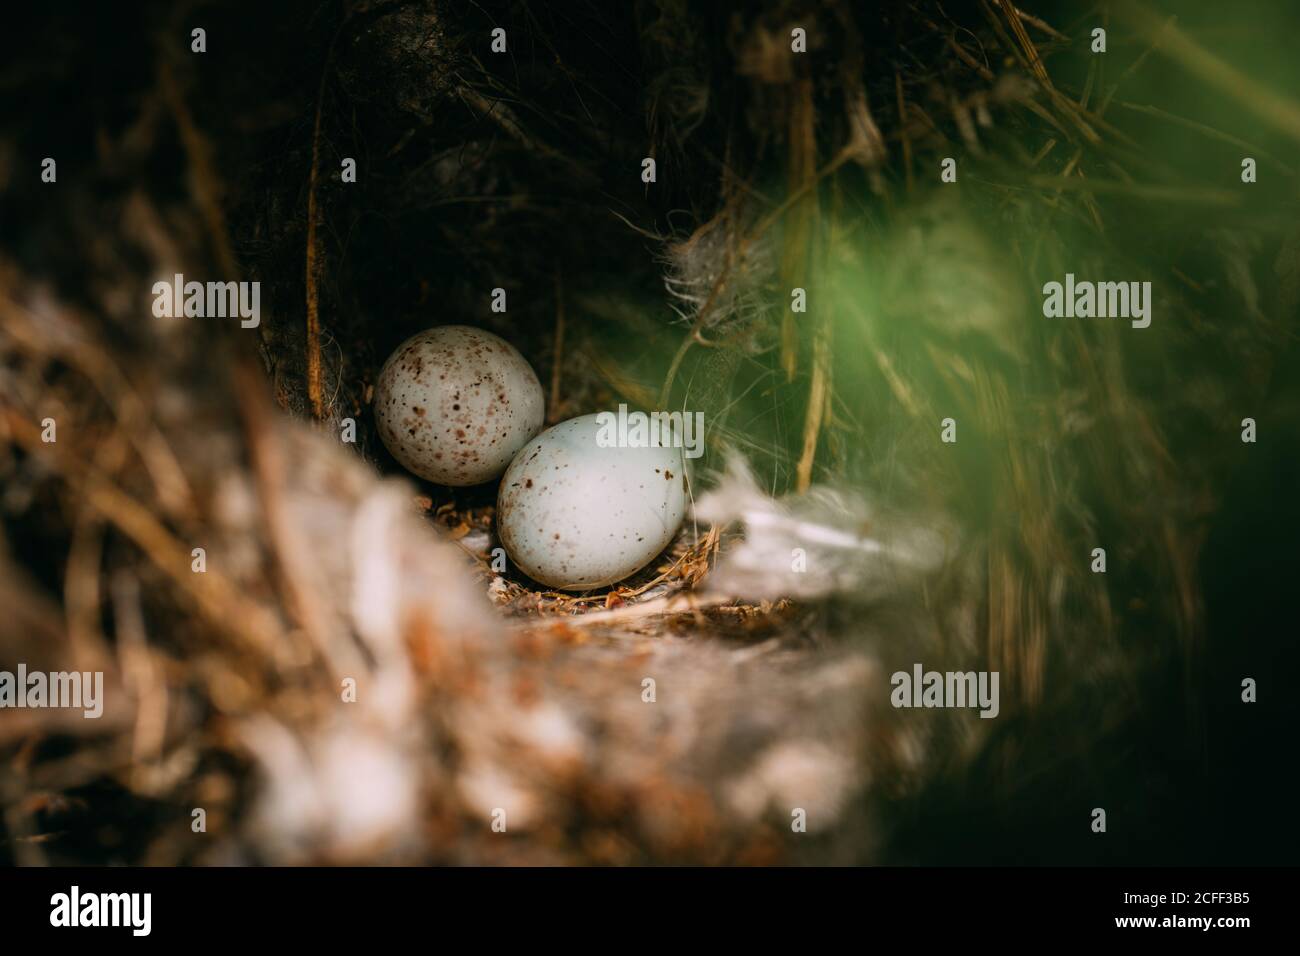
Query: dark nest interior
point(350, 679)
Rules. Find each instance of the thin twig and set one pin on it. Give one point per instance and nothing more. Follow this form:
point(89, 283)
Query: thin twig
point(315, 259)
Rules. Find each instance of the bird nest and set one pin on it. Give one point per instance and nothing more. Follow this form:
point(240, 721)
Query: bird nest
point(310, 656)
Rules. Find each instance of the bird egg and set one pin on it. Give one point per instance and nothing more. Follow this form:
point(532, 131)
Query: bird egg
point(575, 513)
point(453, 404)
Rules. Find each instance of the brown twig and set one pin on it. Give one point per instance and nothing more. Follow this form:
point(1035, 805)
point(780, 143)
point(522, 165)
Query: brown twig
point(315, 388)
point(315, 258)
point(213, 593)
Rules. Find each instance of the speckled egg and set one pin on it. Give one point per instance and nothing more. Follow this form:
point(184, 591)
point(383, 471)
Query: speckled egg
point(575, 515)
point(454, 404)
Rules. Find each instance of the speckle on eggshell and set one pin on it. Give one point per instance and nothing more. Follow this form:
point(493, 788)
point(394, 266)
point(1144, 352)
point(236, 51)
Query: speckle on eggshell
point(592, 524)
point(439, 392)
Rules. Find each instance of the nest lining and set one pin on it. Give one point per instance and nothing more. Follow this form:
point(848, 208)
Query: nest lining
point(225, 685)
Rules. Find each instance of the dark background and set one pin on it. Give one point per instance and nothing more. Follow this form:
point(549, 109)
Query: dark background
point(1197, 778)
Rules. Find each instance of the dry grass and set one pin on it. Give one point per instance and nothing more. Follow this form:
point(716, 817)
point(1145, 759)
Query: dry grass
point(478, 690)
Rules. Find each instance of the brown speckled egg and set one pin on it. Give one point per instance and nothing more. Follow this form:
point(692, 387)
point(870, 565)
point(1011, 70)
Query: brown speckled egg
point(576, 514)
point(453, 404)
